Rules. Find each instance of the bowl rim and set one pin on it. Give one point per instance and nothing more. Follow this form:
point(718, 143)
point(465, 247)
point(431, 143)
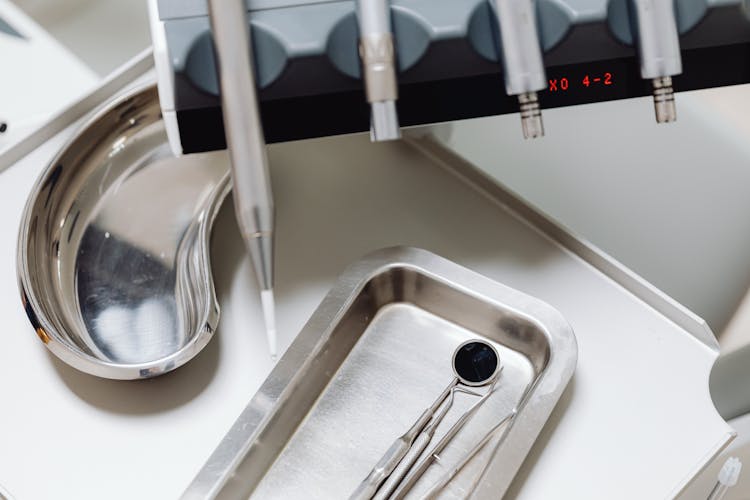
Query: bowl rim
point(35, 309)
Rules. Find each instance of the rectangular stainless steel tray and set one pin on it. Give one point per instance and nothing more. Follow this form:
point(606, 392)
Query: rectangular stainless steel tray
point(376, 353)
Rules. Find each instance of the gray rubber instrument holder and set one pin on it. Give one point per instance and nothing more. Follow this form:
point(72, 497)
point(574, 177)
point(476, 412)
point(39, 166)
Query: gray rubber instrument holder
point(308, 69)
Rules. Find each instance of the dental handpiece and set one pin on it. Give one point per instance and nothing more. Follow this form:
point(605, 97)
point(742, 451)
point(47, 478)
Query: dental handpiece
point(521, 54)
point(659, 51)
point(253, 200)
point(377, 53)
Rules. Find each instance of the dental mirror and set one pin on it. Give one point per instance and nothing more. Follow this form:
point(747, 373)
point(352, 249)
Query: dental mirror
point(475, 363)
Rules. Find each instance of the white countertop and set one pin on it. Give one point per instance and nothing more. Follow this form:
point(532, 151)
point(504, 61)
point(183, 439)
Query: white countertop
point(636, 416)
point(39, 75)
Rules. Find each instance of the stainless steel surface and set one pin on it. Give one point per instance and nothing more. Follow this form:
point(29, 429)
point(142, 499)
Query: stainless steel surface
point(349, 382)
point(377, 54)
point(659, 51)
point(113, 253)
point(253, 199)
point(521, 54)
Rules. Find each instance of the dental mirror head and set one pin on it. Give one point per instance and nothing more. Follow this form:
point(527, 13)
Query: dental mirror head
point(475, 363)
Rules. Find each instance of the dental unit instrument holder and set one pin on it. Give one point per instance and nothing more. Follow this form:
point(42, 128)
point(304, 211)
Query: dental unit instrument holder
point(448, 55)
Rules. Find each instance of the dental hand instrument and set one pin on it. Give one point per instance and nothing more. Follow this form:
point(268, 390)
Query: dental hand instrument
point(419, 446)
point(448, 476)
point(475, 363)
point(434, 455)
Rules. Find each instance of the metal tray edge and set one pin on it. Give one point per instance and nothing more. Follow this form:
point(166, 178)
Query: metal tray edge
point(98, 96)
point(580, 247)
point(534, 409)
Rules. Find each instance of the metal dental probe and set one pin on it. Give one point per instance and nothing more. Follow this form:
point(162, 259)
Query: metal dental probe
point(508, 427)
point(466, 458)
point(475, 363)
point(420, 443)
point(253, 200)
point(434, 455)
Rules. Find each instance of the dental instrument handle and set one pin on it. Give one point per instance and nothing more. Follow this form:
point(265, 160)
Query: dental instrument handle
point(397, 451)
point(414, 476)
point(448, 476)
point(419, 445)
point(253, 200)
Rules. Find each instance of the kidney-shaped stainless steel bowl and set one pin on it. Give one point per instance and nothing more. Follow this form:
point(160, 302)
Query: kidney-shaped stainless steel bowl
point(113, 255)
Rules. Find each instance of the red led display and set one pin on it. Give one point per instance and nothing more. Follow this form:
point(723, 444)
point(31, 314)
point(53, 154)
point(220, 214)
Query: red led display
point(564, 83)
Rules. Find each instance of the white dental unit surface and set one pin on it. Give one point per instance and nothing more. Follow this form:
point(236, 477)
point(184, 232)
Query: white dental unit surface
point(39, 76)
point(635, 422)
point(669, 201)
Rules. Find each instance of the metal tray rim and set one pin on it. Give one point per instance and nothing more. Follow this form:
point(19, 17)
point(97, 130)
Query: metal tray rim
point(574, 243)
point(534, 410)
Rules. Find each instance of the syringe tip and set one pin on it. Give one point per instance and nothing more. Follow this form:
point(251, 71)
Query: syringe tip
point(269, 314)
point(271, 337)
point(729, 474)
